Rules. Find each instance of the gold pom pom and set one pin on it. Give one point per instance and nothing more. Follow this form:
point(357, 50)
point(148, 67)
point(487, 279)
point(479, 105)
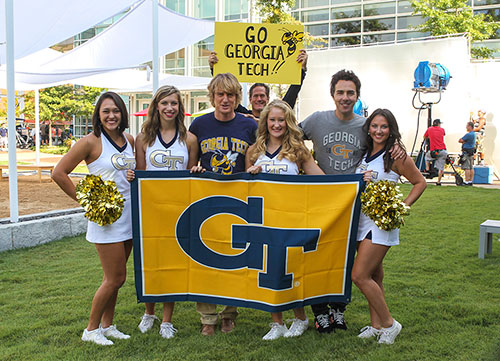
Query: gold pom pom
point(101, 200)
point(382, 201)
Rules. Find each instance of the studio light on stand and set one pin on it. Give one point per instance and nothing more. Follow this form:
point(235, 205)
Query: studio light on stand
point(431, 80)
point(361, 108)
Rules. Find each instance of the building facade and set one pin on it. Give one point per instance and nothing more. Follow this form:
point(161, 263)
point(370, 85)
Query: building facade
point(367, 22)
point(339, 23)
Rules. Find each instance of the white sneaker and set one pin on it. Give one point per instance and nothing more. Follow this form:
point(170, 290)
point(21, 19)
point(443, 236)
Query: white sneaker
point(388, 335)
point(96, 336)
point(112, 331)
point(297, 328)
point(167, 330)
point(276, 331)
point(147, 322)
point(368, 332)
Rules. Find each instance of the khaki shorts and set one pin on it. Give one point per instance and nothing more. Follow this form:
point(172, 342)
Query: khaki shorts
point(468, 162)
point(439, 161)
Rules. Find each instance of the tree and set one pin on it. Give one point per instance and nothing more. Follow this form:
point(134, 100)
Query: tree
point(86, 98)
point(61, 102)
point(453, 17)
point(275, 12)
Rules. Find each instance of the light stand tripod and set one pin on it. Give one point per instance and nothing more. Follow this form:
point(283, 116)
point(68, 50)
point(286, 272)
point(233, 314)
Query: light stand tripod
point(425, 146)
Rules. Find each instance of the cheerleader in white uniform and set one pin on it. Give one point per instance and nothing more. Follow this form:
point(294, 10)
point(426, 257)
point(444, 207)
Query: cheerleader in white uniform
point(373, 243)
point(279, 149)
point(108, 152)
point(164, 144)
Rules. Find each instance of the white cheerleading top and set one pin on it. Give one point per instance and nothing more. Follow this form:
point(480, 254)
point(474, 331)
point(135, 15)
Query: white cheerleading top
point(271, 164)
point(375, 163)
point(167, 156)
point(112, 164)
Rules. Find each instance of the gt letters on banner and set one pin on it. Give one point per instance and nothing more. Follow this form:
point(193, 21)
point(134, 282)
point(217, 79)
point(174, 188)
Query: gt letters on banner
point(265, 53)
point(270, 242)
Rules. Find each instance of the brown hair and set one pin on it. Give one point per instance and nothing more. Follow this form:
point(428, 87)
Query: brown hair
point(394, 136)
point(152, 125)
point(96, 120)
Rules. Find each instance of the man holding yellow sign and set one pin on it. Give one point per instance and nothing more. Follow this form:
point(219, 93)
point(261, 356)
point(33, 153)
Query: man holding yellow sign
point(259, 52)
point(259, 92)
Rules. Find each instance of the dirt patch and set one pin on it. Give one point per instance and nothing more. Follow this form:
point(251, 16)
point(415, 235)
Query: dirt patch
point(35, 197)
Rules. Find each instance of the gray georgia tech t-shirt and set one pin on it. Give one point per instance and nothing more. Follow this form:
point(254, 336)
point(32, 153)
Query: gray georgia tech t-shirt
point(337, 143)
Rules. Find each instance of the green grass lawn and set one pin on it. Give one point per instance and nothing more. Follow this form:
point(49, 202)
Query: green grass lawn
point(447, 300)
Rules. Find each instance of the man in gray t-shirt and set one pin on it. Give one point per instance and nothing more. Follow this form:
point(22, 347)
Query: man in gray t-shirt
point(338, 139)
point(337, 142)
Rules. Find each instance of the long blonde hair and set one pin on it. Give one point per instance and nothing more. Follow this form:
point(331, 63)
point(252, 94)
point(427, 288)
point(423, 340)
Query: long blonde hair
point(292, 145)
point(152, 125)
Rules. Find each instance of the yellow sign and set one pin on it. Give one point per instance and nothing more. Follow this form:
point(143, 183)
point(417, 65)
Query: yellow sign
point(268, 242)
point(264, 53)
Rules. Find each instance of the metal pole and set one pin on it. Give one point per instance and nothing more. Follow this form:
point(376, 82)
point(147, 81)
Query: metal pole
point(11, 110)
point(37, 125)
point(155, 46)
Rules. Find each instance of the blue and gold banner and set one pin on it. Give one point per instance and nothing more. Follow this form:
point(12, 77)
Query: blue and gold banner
point(269, 242)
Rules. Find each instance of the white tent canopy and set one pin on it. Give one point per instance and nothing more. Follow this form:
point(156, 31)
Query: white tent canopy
point(123, 45)
point(43, 23)
point(125, 80)
point(31, 26)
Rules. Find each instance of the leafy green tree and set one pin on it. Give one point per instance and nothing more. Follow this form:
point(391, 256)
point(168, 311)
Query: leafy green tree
point(85, 98)
point(275, 12)
point(453, 17)
point(61, 102)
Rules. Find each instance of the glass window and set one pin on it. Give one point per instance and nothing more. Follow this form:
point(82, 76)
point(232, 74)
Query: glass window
point(495, 16)
point(346, 27)
point(175, 60)
point(315, 44)
point(379, 9)
point(379, 24)
point(486, 2)
point(202, 50)
point(317, 30)
point(205, 72)
point(235, 9)
point(204, 9)
point(404, 7)
point(315, 15)
point(345, 40)
point(494, 13)
point(296, 15)
point(495, 45)
point(378, 38)
point(411, 35)
point(342, 2)
point(296, 5)
point(409, 22)
point(175, 71)
point(311, 3)
point(88, 34)
point(176, 5)
point(346, 12)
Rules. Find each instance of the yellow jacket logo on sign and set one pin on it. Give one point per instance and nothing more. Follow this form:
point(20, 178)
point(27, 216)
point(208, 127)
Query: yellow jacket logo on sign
point(260, 242)
point(259, 52)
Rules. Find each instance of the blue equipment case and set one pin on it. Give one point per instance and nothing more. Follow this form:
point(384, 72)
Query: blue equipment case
point(483, 174)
